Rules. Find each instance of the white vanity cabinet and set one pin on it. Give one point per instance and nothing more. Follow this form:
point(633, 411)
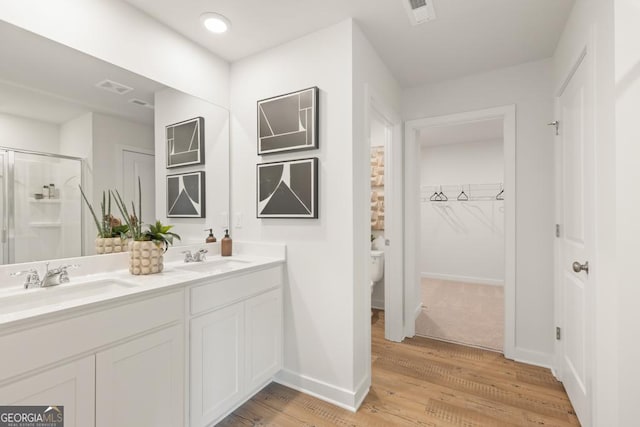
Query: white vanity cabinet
point(235, 342)
point(126, 368)
point(70, 385)
point(139, 383)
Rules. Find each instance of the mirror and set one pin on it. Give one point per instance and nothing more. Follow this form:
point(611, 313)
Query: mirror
point(69, 119)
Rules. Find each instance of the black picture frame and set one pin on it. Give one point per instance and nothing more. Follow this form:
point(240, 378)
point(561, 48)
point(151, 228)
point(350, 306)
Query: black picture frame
point(180, 138)
point(186, 198)
point(288, 122)
point(287, 189)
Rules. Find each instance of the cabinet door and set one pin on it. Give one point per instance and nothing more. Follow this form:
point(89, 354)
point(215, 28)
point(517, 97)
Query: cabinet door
point(140, 383)
point(263, 338)
point(217, 363)
point(70, 385)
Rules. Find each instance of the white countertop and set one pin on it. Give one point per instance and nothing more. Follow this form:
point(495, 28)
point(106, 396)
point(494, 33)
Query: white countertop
point(19, 305)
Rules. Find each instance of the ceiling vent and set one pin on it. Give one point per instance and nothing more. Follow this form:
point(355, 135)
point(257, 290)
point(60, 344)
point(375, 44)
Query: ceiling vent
point(114, 87)
point(141, 103)
point(420, 11)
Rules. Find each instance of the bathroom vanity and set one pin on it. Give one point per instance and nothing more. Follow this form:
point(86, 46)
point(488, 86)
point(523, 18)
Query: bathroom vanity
point(183, 347)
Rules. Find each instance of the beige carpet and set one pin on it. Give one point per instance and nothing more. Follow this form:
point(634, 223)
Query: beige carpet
point(465, 313)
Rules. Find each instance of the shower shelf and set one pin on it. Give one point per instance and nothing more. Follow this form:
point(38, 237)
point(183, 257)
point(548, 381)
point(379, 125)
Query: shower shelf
point(46, 201)
point(45, 224)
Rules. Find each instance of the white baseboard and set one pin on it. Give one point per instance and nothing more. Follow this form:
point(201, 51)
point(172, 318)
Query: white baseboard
point(362, 391)
point(530, 357)
point(343, 398)
point(464, 279)
point(378, 304)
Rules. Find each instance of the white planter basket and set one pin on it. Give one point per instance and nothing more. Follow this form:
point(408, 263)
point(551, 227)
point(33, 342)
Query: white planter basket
point(145, 258)
point(111, 245)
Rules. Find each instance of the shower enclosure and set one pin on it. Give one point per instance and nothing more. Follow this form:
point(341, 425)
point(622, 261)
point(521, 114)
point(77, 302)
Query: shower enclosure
point(40, 206)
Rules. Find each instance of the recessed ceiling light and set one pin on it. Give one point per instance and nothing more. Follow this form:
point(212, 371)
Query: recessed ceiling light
point(215, 22)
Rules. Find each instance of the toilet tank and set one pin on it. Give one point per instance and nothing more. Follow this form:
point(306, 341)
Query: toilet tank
point(377, 265)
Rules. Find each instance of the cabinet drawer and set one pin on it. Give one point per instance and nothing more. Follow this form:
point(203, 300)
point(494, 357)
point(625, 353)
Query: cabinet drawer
point(226, 291)
point(49, 343)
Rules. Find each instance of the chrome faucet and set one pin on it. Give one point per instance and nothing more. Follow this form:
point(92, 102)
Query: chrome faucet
point(52, 277)
point(199, 256)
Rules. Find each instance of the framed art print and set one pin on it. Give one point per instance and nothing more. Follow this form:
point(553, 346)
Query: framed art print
point(288, 189)
point(185, 143)
point(288, 122)
point(186, 195)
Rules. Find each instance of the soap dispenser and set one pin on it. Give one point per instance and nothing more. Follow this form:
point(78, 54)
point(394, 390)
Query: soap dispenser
point(225, 243)
point(210, 238)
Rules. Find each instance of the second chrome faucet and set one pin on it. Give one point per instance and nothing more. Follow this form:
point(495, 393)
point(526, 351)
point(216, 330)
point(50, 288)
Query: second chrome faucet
point(199, 256)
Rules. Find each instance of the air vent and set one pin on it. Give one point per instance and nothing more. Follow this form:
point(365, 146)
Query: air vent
point(420, 11)
point(141, 103)
point(114, 87)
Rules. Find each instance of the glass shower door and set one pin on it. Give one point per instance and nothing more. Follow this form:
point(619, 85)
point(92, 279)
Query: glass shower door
point(4, 220)
point(47, 207)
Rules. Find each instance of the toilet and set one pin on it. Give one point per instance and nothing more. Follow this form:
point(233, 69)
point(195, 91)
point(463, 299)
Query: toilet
point(377, 268)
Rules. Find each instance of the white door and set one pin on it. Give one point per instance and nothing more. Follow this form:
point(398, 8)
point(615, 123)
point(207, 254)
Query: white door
point(263, 338)
point(217, 363)
point(134, 165)
point(140, 383)
point(577, 202)
point(70, 386)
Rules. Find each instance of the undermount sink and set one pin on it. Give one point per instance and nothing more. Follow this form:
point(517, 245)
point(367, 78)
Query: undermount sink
point(53, 295)
point(213, 266)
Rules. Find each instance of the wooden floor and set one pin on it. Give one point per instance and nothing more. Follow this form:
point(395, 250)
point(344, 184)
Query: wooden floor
point(423, 382)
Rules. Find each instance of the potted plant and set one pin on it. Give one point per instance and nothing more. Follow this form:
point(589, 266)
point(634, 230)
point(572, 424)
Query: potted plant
point(147, 245)
point(112, 234)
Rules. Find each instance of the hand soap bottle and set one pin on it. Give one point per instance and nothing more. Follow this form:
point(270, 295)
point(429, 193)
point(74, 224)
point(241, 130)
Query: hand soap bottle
point(225, 244)
point(211, 238)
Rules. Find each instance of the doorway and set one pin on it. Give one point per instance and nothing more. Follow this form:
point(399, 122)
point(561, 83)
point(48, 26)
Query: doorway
point(487, 190)
point(384, 130)
point(462, 234)
point(138, 163)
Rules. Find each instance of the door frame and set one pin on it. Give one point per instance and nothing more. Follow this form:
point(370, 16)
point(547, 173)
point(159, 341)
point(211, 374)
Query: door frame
point(507, 114)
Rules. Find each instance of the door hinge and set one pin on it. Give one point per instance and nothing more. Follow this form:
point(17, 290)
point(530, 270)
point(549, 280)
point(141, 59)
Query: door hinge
point(558, 230)
point(558, 333)
point(557, 126)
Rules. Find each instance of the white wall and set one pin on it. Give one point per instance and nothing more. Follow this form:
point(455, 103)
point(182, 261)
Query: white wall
point(109, 133)
point(172, 107)
point(29, 134)
point(627, 91)
point(116, 32)
point(326, 305)
point(371, 78)
point(463, 241)
point(318, 300)
point(529, 86)
point(592, 23)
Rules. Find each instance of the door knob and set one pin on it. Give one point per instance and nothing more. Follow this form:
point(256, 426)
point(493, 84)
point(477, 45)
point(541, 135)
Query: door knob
point(577, 267)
